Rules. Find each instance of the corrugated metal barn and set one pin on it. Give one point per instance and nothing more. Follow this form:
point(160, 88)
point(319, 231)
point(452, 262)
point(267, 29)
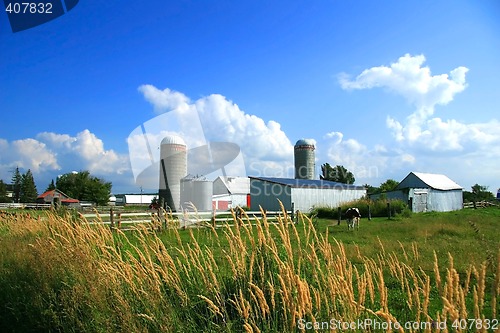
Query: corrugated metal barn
point(428, 192)
point(303, 193)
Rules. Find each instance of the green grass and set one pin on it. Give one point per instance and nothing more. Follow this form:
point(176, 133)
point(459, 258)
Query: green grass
point(56, 275)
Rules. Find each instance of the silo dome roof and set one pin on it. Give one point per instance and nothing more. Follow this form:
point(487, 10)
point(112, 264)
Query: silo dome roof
point(173, 139)
point(305, 142)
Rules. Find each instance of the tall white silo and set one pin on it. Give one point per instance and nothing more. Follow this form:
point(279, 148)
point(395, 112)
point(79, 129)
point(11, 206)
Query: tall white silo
point(196, 192)
point(304, 159)
point(173, 167)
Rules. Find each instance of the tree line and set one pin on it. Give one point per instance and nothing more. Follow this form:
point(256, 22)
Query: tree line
point(340, 174)
point(77, 185)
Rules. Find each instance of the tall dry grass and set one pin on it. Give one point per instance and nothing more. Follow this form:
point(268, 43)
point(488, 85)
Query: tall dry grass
point(254, 277)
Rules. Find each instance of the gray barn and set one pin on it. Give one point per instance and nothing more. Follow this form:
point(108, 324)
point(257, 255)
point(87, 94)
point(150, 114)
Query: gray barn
point(427, 192)
point(303, 193)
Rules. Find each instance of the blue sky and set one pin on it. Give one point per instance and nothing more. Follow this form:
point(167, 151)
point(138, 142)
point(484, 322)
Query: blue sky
point(384, 87)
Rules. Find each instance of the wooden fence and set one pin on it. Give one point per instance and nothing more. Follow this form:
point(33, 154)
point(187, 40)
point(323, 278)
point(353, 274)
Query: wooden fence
point(122, 219)
point(479, 204)
point(24, 206)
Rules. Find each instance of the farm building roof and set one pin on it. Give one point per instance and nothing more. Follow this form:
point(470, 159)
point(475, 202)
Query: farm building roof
point(236, 185)
point(435, 181)
point(309, 183)
point(63, 197)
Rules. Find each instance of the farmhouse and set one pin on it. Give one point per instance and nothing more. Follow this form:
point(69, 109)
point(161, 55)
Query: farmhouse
point(231, 192)
point(427, 192)
point(304, 194)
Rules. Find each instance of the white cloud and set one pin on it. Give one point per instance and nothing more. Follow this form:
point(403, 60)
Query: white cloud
point(409, 78)
point(86, 149)
point(27, 154)
point(223, 120)
point(164, 100)
point(51, 154)
point(466, 152)
point(208, 119)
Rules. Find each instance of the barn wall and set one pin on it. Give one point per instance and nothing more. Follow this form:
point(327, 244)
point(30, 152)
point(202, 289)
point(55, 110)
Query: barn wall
point(239, 200)
point(219, 187)
point(266, 195)
point(305, 199)
point(137, 199)
point(445, 201)
point(426, 200)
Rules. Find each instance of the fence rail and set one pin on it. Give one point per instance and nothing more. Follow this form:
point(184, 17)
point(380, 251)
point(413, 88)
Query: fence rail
point(479, 204)
point(13, 205)
point(118, 217)
point(186, 219)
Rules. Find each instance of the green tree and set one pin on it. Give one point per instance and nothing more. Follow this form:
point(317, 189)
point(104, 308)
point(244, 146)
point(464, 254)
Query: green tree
point(3, 192)
point(371, 189)
point(16, 182)
point(388, 185)
point(84, 187)
point(28, 191)
point(52, 186)
point(478, 193)
point(337, 174)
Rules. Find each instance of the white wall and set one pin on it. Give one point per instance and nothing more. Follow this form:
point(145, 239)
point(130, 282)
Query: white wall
point(305, 199)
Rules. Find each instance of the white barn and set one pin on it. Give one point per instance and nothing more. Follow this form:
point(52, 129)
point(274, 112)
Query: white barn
point(134, 199)
point(230, 192)
point(427, 192)
point(303, 193)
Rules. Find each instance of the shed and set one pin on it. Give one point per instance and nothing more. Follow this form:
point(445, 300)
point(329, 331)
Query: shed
point(303, 193)
point(231, 192)
point(428, 192)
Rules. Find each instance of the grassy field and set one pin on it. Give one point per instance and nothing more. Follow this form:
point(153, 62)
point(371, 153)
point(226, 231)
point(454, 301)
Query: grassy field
point(61, 274)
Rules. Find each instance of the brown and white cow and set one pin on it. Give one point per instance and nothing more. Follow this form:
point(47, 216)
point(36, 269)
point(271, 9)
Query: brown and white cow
point(353, 217)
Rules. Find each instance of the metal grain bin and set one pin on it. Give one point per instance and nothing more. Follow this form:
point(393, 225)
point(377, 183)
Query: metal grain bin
point(196, 192)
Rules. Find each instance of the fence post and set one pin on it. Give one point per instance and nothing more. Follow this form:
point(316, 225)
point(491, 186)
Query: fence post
point(369, 213)
point(111, 218)
point(339, 215)
point(389, 209)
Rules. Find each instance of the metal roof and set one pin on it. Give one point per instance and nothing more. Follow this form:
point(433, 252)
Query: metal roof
point(435, 181)
point(236, 185)
point(305, 142)
point(309, 183)
point(172, 139)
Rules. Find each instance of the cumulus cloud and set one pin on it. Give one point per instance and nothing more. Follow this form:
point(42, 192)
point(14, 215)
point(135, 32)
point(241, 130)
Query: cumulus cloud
point(50, 154)
point(224, 120)
point(409, 78)
point(87, 150)
point(27, 154)
point(212, 118)
point(369, 165)
point(164, 100)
